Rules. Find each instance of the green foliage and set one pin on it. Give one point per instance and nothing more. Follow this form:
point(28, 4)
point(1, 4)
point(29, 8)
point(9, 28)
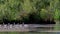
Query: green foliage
point(55, 6)
point(19, 9)
point(56, 14)
point(43, 13)
point(27, 7)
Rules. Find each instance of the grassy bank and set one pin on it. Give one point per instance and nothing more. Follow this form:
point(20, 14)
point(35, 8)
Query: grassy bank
point(27, 32)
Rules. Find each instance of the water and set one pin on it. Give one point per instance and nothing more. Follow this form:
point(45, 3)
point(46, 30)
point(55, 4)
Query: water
point(34, 29)
point(26, 27)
